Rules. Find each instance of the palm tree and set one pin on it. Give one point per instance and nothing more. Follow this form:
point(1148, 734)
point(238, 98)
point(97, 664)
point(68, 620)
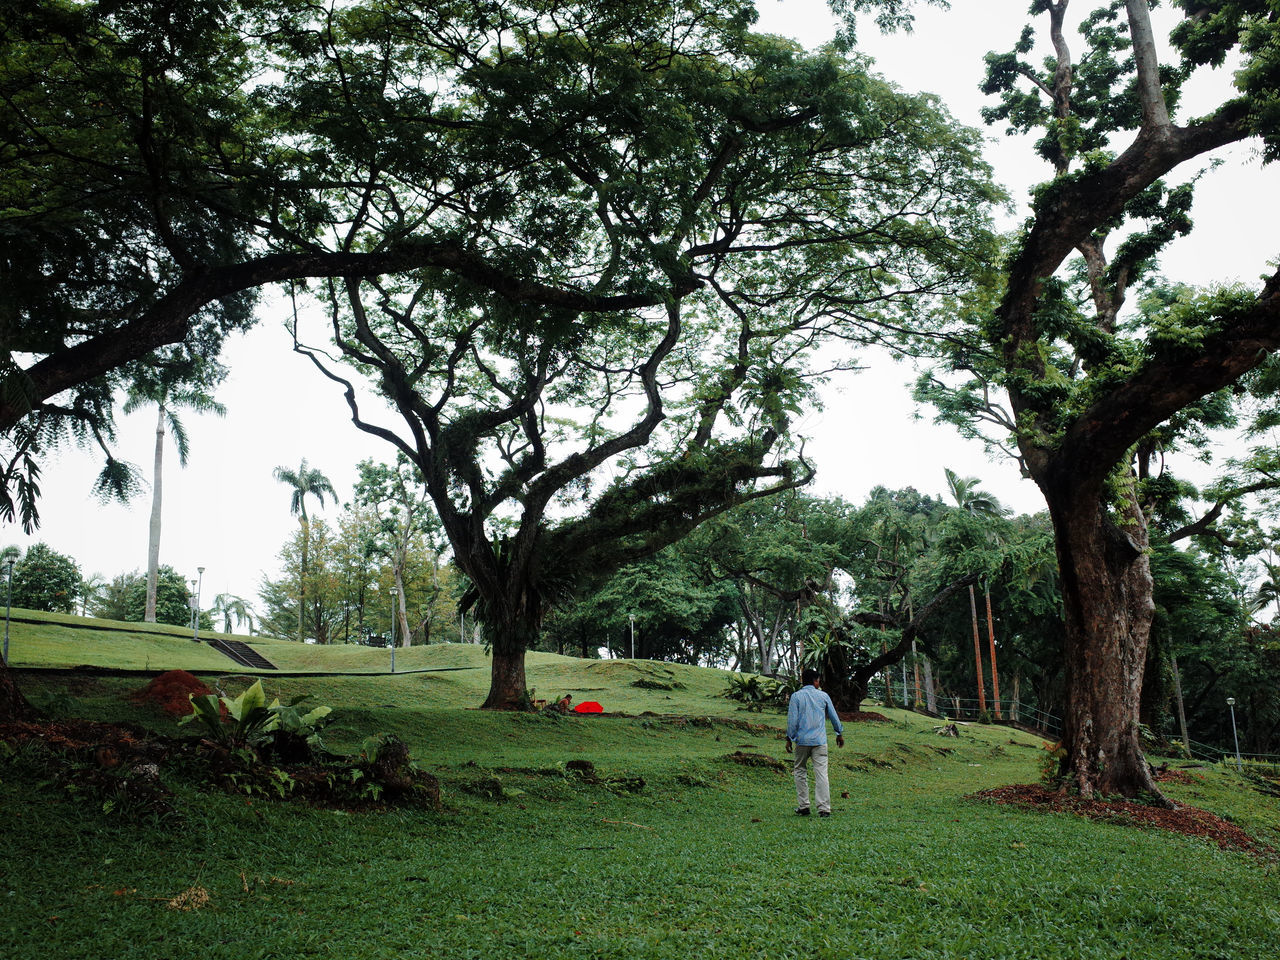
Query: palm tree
point(305, 481)
point(91, 588)
point(170, 383)
point(229, 606)
point(971, 499)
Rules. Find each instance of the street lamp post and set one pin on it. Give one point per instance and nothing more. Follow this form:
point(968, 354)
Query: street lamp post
point(394, 593)
point(195, 607)
point(8, 604)
point(632, 618)
point(1231, 702)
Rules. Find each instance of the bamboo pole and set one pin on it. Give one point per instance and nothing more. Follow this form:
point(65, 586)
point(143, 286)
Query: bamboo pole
point(991, 635)
point(977, 651)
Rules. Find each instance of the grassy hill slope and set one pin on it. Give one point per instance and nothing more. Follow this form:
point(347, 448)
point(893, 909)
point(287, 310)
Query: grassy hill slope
point(683, 843)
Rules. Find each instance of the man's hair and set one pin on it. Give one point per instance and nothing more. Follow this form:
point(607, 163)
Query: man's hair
point(809, 675)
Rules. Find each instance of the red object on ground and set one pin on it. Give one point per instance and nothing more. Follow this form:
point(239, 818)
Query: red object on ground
point(171, 692)
point(588, 706)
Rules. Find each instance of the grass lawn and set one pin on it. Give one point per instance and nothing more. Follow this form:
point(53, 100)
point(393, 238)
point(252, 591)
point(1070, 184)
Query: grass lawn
point(528, 859)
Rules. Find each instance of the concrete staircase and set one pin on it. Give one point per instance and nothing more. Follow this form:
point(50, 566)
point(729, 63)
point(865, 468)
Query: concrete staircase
point(242, 654)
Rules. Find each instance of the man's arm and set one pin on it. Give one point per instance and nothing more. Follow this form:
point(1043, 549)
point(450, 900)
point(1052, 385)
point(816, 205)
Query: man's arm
point(793, 720)
point(834, 717)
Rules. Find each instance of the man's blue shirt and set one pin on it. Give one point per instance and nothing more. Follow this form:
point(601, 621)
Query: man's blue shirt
point(807, 715)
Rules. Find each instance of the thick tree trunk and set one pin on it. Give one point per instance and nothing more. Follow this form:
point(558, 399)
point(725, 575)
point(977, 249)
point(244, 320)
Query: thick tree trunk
point(153, 539)
point(1107, 600)
point(512, 622)
point(846, 687)
point(13, 705)
point(507, 686)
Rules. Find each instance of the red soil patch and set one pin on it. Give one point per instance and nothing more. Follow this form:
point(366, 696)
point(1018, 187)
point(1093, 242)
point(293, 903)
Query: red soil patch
point(862, 716)
point(1188, 821)
point(171, 692)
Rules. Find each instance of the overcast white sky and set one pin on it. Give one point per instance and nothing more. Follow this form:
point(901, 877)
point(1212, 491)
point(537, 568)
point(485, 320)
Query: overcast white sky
point(225, 512)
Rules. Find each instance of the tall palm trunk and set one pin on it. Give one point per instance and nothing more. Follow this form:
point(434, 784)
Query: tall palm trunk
point(302, 575)
point(153, 542)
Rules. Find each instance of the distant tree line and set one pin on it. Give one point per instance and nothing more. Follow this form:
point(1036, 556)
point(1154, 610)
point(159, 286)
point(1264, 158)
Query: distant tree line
point(381, 559)
point(801, 580)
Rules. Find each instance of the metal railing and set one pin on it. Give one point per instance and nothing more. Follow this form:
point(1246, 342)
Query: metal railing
point(1009, 711)
point(1268, 763)
point(1024, 715)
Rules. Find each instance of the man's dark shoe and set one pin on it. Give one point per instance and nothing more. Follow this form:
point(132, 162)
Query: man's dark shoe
point(802, 812)
point(823, 813)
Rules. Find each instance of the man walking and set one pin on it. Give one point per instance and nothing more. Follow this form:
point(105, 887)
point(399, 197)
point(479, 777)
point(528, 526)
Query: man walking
point(807, 714)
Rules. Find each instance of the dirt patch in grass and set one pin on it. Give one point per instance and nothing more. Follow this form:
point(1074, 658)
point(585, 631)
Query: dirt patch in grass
point(863, 716)
point(1188, 821)
point(756, 760)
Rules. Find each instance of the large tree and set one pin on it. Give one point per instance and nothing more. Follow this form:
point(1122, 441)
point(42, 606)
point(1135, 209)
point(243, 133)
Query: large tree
point(163, 162)
point(45, 579)
point(709, 204)
point(1085, 384)
point(570, 203)
point(778, 556)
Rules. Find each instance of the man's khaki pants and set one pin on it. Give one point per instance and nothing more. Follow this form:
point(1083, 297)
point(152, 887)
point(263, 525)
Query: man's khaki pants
point(821, 787)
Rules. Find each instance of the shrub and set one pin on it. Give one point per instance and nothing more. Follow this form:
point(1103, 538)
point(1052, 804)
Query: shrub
point(758, 692)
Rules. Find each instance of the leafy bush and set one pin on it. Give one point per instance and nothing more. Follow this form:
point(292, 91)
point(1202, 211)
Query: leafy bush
point(1051, 763)
point(758, 692)
point(247, 720)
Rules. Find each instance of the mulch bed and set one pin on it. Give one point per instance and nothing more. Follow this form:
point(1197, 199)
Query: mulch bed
point(1188, 821)
point(123, 763)
point(78, 736)
point(172, 692)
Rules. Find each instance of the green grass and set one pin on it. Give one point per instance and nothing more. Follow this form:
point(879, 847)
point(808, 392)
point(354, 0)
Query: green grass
point(707, 859)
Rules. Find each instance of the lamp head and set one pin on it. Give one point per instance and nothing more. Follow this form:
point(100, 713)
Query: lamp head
point(1231, 701)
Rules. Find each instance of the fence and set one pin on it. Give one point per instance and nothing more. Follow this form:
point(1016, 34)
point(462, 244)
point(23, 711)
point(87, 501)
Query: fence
point(1010, 711)
point(1266, 763)
point(1013, 712)
point(1024, 715)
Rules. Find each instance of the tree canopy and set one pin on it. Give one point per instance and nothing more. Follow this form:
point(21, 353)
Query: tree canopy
point(44, 579)
point(693, 210)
